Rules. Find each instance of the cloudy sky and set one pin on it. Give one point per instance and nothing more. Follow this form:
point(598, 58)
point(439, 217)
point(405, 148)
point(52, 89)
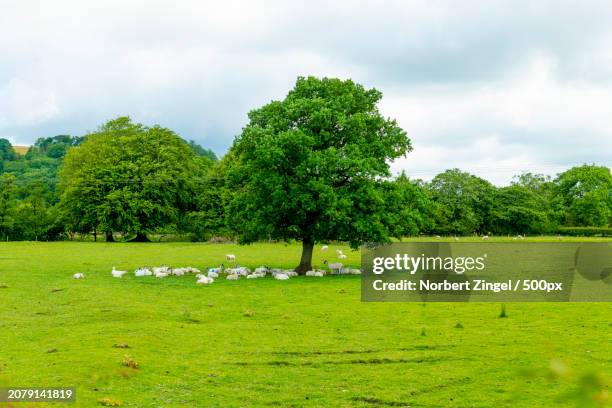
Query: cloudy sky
point(492, 87)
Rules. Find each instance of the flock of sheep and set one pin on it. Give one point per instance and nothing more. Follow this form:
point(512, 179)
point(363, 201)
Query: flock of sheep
point(233, 273)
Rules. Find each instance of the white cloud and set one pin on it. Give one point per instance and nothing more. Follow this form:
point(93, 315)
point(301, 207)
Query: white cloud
point(523, 84)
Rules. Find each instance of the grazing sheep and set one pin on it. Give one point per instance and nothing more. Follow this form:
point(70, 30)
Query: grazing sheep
point(281, 276)
point(324, 248)
point(341, 256)
point(204, 280)
point(233, 276)
point(485, 237)
point(230, 257)
point(334, 266)
point(117, 274)
point(78, 276)
point(143, 272)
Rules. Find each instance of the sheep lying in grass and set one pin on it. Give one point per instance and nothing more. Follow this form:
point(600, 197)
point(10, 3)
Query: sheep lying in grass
point(78, 276)
point(213, 274)
point(178, 271)
point(316, 273)
point(161, 269)
point(261, 270)
point(161, 274)
point(117, 274)
point(281, 276)
point(355, 271)
point(191, 269)
point(204, 280)
point(233, 276)
point(143, 272)
point(341, 256)
point(324, 248)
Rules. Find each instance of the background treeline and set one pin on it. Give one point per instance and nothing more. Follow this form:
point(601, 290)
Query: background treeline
point(129, 180)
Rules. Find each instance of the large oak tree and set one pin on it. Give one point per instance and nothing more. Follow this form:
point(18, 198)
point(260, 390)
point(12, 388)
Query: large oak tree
point(311, 167)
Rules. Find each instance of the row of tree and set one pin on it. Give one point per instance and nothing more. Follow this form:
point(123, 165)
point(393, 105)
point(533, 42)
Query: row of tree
point(312, 167)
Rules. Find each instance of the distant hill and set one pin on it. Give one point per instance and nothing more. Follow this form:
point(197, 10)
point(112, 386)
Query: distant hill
point(21, 149)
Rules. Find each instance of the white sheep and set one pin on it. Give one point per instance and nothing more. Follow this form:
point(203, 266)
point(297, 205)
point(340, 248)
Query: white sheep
point(341, 256)
point(233, 276)
point(230, 257)
point(253, 276)
point(324, 248)
point(281, 276)
point(143, 272)
point(215, 270)
point(339, 251)
point(178, 271)
point(485, 237)
point(161, 274)
point(310, 273)
point(290, 273)
point(261, 269)
point(117, 274)
point(334, 266)
point(161, 269)
point(355, 271)
point(204, 280)
point(78, 276)
point(213, 274)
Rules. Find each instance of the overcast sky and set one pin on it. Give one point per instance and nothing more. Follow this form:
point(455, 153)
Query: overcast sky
point(492, 87)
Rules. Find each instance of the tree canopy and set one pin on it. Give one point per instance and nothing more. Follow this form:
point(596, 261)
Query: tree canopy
point(130, 178)
point(310, 167)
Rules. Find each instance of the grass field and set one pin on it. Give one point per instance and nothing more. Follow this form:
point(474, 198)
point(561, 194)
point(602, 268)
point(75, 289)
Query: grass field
point(303, 342)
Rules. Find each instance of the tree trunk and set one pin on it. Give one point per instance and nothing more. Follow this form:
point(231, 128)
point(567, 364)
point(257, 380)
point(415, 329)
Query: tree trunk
point(140, 237)
point(306, 261)
point(109, 236)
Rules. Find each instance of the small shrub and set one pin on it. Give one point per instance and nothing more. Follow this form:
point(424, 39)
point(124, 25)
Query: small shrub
point(121, 345)
point(130, 362)
point(423, 332)
point(458, 325)
point(109, 402)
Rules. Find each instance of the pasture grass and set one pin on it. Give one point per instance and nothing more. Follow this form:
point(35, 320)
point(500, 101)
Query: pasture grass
point(147, 342)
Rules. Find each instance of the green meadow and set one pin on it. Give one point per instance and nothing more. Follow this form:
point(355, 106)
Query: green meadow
point(306, 342)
